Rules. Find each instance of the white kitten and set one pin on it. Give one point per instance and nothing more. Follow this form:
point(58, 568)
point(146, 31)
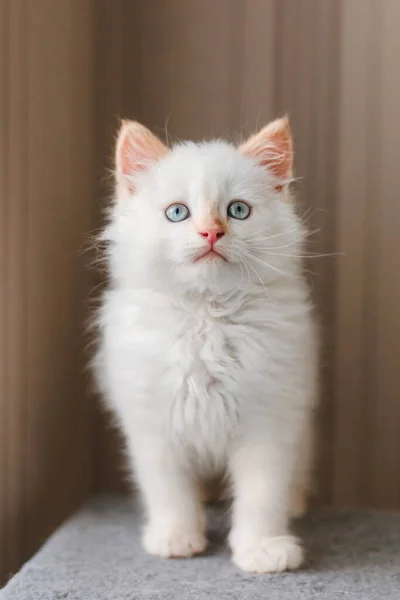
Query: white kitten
point(207, 349)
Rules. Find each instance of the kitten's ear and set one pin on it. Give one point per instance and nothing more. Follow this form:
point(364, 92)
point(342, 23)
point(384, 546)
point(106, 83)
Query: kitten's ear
point(136, 149)
point(272, 147)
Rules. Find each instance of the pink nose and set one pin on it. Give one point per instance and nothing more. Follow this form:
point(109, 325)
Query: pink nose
point(212, 235)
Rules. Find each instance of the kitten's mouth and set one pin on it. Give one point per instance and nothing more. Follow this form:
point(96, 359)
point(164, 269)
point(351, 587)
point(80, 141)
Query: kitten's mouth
point(210, 255)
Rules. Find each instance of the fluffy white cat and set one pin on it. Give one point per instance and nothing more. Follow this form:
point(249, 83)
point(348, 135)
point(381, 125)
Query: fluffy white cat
point(207, 352)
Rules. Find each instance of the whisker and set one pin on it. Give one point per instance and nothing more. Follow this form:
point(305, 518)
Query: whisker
point(309, 213)
point(275, 235)
point(302, 238)
point(247, 269)
point(270, 266)
point(241, 272)
point(305, 255)
point(257, 275)
point(306, 212)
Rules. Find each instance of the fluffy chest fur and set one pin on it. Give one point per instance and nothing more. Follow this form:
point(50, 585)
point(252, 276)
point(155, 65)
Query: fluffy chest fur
point(199, 369)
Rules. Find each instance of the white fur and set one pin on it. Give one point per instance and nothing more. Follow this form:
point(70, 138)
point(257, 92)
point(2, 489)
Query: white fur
point(210, 367)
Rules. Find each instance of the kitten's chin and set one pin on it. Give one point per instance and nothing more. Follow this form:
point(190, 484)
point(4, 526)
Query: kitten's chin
point(208, 274)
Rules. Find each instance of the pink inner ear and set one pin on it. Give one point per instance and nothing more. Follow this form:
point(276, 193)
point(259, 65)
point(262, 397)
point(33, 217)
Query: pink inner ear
point(137, 148)
point(272, 147)
point(128, 159)
point(281, 152)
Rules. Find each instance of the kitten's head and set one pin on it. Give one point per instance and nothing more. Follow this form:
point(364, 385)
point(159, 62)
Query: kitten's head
point(209, 216)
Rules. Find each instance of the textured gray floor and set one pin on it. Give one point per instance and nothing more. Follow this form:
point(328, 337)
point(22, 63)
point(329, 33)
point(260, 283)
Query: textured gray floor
point(97, 556)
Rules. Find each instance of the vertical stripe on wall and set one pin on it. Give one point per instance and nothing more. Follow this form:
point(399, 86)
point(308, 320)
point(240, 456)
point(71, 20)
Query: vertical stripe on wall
point(46, 179)
point(367, 330)
point(3, 273)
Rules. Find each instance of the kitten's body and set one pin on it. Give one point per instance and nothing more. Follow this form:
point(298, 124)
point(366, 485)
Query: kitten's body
point(194, 379)
point(210, 368)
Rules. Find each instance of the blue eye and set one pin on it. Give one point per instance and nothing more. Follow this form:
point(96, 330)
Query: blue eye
point(239, 210)
point(177, 212)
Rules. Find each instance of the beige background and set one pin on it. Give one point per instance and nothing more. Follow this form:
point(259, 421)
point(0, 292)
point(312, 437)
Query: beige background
point(68, 70)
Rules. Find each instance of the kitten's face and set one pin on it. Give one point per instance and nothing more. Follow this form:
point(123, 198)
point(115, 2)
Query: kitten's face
point(202, 217)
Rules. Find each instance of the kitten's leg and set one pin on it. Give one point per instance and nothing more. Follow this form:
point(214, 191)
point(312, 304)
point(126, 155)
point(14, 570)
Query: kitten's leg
point(261, 473)
point(176, 522)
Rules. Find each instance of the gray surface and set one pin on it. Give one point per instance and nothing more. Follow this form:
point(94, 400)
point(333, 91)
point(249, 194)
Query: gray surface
point(97, 556)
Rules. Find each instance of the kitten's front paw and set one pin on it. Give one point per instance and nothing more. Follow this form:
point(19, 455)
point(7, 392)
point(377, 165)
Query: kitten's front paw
point(269, 555)
point(173, 542)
